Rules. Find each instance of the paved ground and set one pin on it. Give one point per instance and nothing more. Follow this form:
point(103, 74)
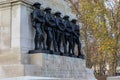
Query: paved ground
point(35, 78)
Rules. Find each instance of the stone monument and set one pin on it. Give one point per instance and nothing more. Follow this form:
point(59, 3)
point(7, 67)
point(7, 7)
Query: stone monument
point(16, 39)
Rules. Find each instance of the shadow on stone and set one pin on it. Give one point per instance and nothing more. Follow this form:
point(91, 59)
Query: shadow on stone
point(54, 53)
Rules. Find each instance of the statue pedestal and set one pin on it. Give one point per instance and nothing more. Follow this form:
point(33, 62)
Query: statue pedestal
point(48, 65)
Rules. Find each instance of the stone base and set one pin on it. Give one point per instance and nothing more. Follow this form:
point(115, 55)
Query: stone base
point(15, 70)
point(48, 65)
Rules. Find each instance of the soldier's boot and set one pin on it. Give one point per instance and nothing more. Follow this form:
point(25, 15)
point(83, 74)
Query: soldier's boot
point(81, 55)
point(55, 46)
point(36, 43)
point(69, 52)
point(43, 46)
point(48, 46)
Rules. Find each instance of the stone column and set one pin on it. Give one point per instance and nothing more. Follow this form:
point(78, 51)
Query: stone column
point(10, 22)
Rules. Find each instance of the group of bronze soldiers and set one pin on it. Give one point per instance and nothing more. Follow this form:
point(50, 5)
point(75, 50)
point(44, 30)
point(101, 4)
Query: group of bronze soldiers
point(59, 31)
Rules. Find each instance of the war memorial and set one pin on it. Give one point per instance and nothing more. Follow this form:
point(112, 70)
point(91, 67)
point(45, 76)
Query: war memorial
point(37, 39)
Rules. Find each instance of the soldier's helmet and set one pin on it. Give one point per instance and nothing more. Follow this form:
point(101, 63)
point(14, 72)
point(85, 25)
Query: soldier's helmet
point(74, 20)
point(66, 17)
point(47, 9)
point(36, 4)
point(57, 13)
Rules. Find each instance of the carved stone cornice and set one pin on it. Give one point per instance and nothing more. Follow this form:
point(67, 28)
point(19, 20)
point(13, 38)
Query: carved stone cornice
point(8, 3)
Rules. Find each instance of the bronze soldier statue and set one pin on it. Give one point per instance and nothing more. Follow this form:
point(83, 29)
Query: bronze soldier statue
point(37, 23)
point(49, 26)
point(59, 31)
point(76, 35)
point(68, 36)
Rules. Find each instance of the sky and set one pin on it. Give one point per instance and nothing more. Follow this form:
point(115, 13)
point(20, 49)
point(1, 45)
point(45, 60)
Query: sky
point(111, 3)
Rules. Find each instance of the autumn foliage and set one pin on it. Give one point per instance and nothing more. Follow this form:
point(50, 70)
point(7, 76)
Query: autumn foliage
point(100, 33)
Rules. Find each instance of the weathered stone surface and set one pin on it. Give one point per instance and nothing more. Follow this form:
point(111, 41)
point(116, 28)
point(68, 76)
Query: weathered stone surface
point(37, 60)
point(5, 27)
point(114, 78)
point(14, 70)
point(9, 28)
point(10, 56)
point(47, 65)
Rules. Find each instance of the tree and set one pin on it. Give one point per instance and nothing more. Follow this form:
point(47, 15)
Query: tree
point(100, 32)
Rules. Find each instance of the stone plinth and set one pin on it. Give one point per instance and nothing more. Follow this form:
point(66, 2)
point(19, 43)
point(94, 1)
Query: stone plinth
point(48, 65)
point(37, 59)
point(14, 70)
